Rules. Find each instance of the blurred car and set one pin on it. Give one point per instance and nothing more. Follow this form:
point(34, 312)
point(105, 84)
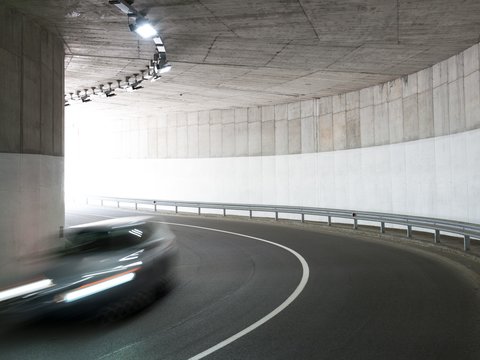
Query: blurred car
point(101, 265)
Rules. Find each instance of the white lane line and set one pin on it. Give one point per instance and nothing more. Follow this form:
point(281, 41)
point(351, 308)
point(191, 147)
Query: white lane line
point(275, 312)
point(269, 316)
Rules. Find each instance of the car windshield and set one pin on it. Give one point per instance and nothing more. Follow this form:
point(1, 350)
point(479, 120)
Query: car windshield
point(105, 240)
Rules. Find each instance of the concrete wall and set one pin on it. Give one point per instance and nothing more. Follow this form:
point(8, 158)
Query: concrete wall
point(31, 135)
point(407, 146)
point(440, 100)
point(430, 177)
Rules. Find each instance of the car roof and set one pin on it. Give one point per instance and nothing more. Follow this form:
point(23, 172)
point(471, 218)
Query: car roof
point(111, 224)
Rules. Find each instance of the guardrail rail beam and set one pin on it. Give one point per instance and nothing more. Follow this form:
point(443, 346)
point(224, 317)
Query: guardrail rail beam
point(466, 230)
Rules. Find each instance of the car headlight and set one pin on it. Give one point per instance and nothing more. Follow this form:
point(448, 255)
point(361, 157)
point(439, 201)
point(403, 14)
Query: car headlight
point(25, 289)
point(96, 286)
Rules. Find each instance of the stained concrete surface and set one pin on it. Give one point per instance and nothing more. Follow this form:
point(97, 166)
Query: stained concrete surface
point(239, 54)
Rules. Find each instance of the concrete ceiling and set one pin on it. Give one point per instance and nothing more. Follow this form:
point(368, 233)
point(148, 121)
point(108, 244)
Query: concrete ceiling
point(231, 53)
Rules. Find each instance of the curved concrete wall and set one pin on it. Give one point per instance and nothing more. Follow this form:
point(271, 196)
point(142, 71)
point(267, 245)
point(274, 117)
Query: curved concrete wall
point(440, 100)
point(31, 135)
point(435, 177)
point(406, 146)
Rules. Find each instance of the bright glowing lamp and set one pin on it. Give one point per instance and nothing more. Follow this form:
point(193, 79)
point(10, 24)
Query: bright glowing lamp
point(97, 286)
point(145, 30)
point(25, 289)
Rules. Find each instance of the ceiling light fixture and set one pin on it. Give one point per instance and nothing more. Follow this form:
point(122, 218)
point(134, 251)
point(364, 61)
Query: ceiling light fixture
point(110, 92)
point(124, 6)
point(143, 28)
point(136, 85)
point(158, 65)
point(85, 97)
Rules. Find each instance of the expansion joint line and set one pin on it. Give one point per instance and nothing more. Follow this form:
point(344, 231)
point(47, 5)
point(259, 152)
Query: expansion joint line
point(278, 52)
point(210, 48)
point(308, 19)
point(217, 18)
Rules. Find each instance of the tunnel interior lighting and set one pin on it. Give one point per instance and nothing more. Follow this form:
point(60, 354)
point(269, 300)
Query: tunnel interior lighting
point(124, 6)
point(146, 31)
point(136, 86)
point(85, 97)
point(138, 23)
point(143, 28)
point(110, 93)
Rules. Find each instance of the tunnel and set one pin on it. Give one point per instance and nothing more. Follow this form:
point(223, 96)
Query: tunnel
point(317, 162)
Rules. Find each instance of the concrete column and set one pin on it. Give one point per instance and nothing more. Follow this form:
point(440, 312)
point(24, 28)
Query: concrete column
point(31, 137)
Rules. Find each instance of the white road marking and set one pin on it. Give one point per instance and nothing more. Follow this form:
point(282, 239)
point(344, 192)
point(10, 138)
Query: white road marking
point(269, 316)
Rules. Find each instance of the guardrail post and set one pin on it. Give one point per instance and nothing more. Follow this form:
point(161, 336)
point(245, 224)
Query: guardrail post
point(436, 236)
point(276, 215)
point(250, 214)
point(136, 206)
point(329, 220)
point(199, 211)
point(355, 224)
point(382, 227)
point(224, 212)
point(303, 218)
point(176, 209)
point(466, 242)
point(409, 231)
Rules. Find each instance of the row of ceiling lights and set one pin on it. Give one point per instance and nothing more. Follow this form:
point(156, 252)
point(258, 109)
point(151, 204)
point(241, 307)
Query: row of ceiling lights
point(130, 84)
point(159, 65)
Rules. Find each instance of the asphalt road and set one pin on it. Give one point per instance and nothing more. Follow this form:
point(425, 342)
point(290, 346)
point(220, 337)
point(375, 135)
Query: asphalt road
point(362, 300)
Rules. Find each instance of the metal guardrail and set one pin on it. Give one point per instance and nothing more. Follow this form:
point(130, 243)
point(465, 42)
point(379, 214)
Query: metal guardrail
point(466, 230)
